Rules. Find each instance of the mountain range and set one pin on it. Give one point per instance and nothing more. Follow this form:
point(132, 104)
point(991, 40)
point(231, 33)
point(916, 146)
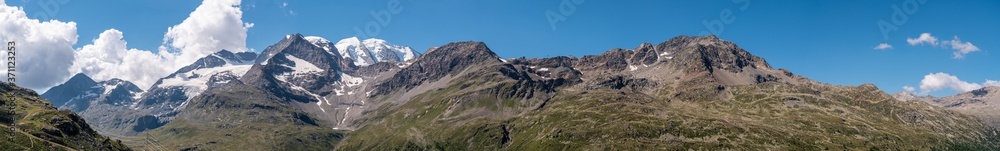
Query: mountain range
point(307, 93)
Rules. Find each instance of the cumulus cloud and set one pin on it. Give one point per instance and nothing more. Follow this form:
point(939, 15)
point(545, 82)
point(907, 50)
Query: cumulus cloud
point(46, 57)
point(940, 81)
point(43, 50)
point(883, 46)
point(925, 38)
point(213, 26)
point(961, 48)
point(992, 83)
point(108, 57)
point(909, 89)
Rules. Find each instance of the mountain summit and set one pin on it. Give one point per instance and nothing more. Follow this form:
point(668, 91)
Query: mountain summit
point(81, 92)
point(77, 86)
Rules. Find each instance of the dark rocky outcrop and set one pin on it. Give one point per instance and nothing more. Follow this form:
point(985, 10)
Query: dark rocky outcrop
point(611, 60)
point(448, 59)
point(620, 82)
point(711, 54)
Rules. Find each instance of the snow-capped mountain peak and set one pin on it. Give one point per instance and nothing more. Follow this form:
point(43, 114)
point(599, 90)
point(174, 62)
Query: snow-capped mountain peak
point(321, 42)
point(370, 51)
point(80, 92)
point(348, 42)
point(212, 71)
point(379, 46)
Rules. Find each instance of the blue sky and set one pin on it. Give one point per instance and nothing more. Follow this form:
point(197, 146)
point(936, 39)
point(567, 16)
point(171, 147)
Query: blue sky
point(828, 41)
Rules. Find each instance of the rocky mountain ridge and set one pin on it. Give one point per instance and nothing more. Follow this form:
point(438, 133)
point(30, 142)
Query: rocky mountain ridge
point(983, 103)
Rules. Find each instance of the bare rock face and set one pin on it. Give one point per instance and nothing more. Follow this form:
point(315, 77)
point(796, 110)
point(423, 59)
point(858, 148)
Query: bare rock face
point(297, 68)
point(119, 92)
point(444, 60)
point(695, 60)
point(611, 60)
point(983, 103)
point(710, 54)
point(617, 82)
point(645, 54)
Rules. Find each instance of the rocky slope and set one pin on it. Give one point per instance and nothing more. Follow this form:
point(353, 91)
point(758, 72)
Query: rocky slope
point(983, 103)
point(40, 126)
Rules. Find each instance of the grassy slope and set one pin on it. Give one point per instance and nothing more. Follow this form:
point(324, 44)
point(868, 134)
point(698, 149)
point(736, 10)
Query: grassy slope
point(769, 115)
point(452, 113)
point(788, 118)
point(239, 117)
point(40, 126)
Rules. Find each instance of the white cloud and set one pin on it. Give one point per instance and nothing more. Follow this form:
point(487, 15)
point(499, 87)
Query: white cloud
point(45, 54)
point(42, 48)
point(925, 38)
point(961, 48)
point(940, 81)
point(284, 4)
point(909, 89)
point(991, 83)
point(213, 26)
point(108, 57)
point(883, 46)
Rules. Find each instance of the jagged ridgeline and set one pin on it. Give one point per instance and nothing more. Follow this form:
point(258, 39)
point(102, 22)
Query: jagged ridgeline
point(37, 125)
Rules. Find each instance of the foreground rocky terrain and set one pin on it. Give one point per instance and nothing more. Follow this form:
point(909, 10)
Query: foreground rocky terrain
point(303, 93)
point(34, 124)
